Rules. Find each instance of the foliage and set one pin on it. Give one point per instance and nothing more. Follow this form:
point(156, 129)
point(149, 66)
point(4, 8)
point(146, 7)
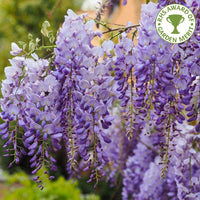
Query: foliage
point(59, 189)
point(20, 17)
point(103, 189)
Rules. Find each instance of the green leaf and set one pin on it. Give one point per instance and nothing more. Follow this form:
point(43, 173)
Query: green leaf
point(30, 36)
point(45, 27)
point(51, 37)
point(22, 44)
point(31, 46)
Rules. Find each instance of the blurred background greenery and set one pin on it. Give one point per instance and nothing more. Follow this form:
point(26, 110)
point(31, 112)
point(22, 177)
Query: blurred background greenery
point(26, 189)
point(20, 17)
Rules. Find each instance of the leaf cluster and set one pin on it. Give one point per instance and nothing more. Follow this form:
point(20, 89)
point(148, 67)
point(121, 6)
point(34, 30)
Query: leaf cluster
point(54, 190)
point(18, 18)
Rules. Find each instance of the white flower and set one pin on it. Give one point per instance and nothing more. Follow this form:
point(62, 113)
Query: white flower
point(15, 49)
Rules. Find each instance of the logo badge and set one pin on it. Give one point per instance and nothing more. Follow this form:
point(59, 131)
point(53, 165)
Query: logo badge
point(175, 23)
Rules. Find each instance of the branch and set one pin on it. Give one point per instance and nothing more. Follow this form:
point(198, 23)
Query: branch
point(41, 48)
point(121, 29)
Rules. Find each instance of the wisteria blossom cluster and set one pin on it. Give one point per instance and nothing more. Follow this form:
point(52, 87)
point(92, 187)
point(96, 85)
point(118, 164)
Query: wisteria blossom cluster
point(166, 105)
point(119, 109)
point(30, 111)
point(86, 92)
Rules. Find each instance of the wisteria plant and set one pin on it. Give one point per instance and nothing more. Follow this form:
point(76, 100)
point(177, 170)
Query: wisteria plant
point(121, 110)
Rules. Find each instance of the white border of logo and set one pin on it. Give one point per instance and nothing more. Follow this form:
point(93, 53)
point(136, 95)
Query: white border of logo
point(175, 23)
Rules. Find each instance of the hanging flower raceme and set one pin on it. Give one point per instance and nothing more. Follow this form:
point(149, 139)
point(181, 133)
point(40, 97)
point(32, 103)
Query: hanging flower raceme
point(154, 72)
point(124, 61)
point(189, 72)
point(86, 92)
point(138, 163)
point(119, 147)
point(184, 162)
point(29, 109)
point(166, 80)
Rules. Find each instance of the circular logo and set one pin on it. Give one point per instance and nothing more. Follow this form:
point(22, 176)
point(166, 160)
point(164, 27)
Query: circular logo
point(175, 23)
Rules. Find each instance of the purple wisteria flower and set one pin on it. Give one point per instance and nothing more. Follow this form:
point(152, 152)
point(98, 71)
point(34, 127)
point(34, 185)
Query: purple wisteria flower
point(165, 82)
point(138, 163)
point(118, 148)
point(86, 91)
point(124, 2)
point(29, 109)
